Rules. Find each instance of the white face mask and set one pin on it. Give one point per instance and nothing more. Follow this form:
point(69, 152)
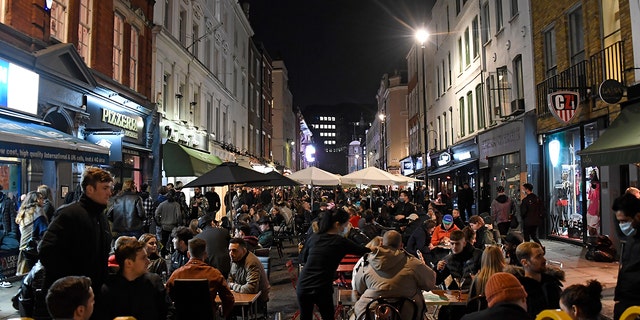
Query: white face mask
point(627, 229)
point(346, 230)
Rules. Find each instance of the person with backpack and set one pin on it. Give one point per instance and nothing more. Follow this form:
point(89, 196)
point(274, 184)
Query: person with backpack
point(532, 211)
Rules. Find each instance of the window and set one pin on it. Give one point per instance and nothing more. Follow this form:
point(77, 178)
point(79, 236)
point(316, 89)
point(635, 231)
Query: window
point(446, 132)
point(207, 53)
point(84, 30)
point(503, 88)
point(59, 20)
point(576, 36)
point(485, 23)
point(167, 14)
point(462, 117)
point(514, 8)
point(467, 50)
point(518, 85)
point(480, 107)
point(133, 59)
point(165, 90)
point(448, 24)
point(195, 35)
point(470, 112)
point(550, 52)
point(457, 7)
point(475, 37)
point(460, 61)
point(444, 78)
point(494, 106)
point(182, 24)
point(438, 80)
point(449, 65)
point(440, 132)
point(499, 16)
point(118, 39)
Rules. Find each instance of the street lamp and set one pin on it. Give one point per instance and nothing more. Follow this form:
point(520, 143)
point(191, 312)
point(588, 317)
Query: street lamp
point(421, 36)
point(383, 151)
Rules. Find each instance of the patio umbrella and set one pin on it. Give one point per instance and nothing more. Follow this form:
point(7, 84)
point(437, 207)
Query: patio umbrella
point(407, 179)
point(315, 176)
point(275, 180)
point(372, 176)
point(226, 174)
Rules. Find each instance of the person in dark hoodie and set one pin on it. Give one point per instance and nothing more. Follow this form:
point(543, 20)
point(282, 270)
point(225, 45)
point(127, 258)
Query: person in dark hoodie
point(627, 214)
point(501, 210)
point(532, 216)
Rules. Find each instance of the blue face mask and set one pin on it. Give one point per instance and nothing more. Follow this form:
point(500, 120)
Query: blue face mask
point(627, 229)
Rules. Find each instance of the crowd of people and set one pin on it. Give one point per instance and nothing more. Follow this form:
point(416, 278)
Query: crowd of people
point(125, 250)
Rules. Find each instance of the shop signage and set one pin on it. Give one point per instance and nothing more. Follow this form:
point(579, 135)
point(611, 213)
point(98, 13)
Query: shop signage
point(611, 91)
point(563, 104)
point(129, 124)
point(18, 88)
point(443, 159)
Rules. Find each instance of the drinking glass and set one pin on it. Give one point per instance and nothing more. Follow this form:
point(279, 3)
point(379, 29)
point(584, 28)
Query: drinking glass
point(459, 282)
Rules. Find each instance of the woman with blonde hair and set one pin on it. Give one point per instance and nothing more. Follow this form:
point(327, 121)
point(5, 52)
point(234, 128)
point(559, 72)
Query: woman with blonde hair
point(33, 223)
point(492, 262)
point(152, 246)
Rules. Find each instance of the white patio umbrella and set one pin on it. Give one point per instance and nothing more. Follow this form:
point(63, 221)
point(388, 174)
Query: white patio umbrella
point(315, 177)
point(407, 179)
point(372, 176)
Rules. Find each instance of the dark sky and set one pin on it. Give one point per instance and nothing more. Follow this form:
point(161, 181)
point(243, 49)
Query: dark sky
point(336, 51)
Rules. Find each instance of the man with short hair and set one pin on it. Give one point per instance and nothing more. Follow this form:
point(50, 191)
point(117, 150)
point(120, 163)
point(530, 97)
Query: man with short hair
point(506, 299)
point(217, 240)
point(197, 268)
point(198, 203)
point(181, 237)
point(71, 297)
point(404, 207)
point(462, 262)
point(133, 291)
point(78, 240)
point(465, 201)
point(247, 273)
point(443, 231)
point(243, 231)
point(542, 283)
point(531, 212)
point(392, 272)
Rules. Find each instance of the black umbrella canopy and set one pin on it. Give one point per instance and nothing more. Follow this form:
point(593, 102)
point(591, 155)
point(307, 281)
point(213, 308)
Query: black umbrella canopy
point(225, 174)
point(275, 180)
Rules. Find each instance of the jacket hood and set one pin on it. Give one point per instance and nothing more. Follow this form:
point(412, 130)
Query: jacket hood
point(387, 260)
point(502, 198)
point(552, 271)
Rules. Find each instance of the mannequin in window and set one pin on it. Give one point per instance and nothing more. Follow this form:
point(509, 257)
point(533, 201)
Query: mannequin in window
point(562, 190)
point(593, 209)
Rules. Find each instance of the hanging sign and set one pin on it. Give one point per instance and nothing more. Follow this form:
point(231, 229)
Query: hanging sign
point(563, 104)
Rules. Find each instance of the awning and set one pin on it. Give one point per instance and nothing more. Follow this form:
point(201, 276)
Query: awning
point(450, 168)
point(619, 144)
point(181, 161)
point(33, 141)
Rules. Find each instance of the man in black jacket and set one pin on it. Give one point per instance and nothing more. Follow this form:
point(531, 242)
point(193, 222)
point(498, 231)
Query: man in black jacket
point(462, 262)
point(531, 210)
point(78, 240)
point(127, 213)
point(541, 282)
point(133, 291)
point(217, 240)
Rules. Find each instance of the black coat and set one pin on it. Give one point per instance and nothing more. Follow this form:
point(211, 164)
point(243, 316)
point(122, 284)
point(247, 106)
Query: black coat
point(144, 298)
point(528, 210)
point(77, 242)
point(502, 310)
point(217, 240)
point(127, 213)
point(629, 274)
point(465, 264)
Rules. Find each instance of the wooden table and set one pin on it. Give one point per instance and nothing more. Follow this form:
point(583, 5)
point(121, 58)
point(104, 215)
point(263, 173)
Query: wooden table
point(348, 297)
point(445, 298)
point(245, 300)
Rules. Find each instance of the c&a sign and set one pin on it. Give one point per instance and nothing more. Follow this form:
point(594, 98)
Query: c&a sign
point(563, 104)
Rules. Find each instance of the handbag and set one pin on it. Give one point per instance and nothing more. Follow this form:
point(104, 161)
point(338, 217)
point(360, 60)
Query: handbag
point(513, 220)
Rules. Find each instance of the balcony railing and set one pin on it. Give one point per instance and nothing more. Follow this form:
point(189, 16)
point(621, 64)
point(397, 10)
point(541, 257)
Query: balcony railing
point(584, 76)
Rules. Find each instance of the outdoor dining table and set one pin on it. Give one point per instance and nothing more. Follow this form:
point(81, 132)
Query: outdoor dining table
point(247, 302)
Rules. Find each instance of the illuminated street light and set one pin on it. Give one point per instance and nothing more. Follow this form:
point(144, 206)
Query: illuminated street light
point(421, 36)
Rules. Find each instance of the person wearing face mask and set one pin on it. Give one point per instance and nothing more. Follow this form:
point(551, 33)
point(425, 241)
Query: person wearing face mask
point(321, 256)
point(627, 211)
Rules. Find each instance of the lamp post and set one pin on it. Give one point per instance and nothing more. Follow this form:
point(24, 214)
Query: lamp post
point(383, 147)
point(421, 36)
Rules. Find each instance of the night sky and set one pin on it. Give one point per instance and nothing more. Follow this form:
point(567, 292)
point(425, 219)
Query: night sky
point(336, 51)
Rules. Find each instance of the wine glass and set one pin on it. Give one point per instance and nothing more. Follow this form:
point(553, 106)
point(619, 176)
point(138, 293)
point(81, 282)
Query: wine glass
point(460, 282)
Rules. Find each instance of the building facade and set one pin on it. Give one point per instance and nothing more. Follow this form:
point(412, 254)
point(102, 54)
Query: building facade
point(393, 116)
point(285, 125)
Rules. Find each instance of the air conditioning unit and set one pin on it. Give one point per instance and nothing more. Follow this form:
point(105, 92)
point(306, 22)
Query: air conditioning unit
point(517, 107)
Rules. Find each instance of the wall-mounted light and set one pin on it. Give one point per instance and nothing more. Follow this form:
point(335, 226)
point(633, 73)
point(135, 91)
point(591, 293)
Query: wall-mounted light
point(554, 152)
point(48, 4)
point(193, 103)
point(179, 95)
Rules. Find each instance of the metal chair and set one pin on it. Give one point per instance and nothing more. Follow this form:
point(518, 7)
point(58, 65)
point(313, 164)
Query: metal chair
point(477, 303)
point(631, 313)
point(552, 315)
point(390, 308)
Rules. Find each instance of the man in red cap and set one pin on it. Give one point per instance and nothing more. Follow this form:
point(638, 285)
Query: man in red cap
point(506, 299)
